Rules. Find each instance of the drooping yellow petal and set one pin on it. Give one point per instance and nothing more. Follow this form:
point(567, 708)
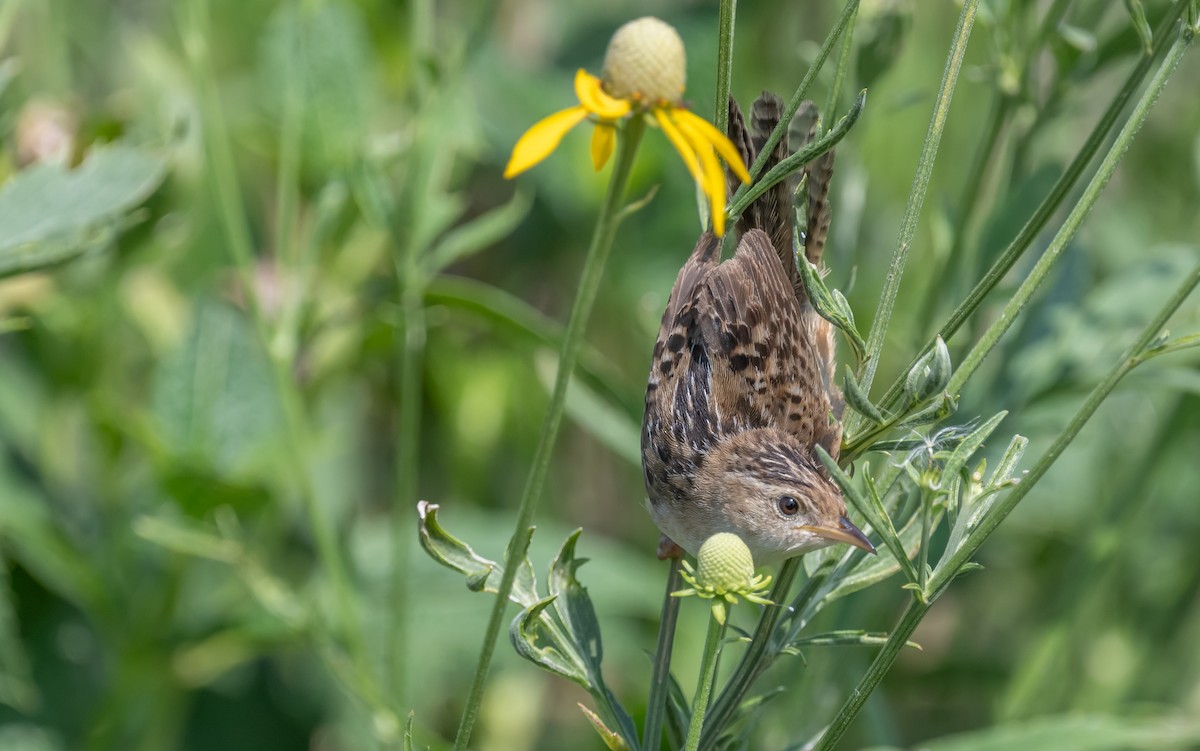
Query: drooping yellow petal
point(603, 138)
point(595, 100)
point(713, 180)
point(681, 144)
point(541, 139)
point(718, 140)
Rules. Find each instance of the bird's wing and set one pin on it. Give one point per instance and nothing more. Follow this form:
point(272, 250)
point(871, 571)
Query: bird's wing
point(764, 369)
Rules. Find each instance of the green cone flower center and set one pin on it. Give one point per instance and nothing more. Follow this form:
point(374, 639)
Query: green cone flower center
point(645, 59)
point(725, 563)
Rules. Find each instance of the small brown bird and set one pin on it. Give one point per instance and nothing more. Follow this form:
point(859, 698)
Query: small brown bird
point(741, 384)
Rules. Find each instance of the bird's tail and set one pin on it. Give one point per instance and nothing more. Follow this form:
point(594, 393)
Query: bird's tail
point(773, 211)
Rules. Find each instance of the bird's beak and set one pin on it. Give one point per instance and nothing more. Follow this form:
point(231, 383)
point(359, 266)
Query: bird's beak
point(844, 532)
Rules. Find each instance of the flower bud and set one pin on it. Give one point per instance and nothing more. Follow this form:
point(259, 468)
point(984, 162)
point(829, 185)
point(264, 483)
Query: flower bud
point(725, 563)
point(646, 59)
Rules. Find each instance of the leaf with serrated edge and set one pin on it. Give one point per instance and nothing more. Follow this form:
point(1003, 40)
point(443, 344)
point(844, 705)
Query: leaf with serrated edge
point(525, 635)
point(482, 574)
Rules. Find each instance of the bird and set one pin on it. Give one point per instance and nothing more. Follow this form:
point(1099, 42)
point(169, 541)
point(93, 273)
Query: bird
point(740, 389)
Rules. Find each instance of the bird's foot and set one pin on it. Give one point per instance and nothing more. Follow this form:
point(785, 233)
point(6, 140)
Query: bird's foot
point(668, 549)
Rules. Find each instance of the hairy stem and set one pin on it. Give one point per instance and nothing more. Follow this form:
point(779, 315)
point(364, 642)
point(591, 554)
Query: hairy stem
point(589, 284)
point(912, 211)
point(724, 64)
point(708, 670)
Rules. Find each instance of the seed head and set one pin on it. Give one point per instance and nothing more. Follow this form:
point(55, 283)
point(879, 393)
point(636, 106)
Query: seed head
point(645, 59)
point(724, 563)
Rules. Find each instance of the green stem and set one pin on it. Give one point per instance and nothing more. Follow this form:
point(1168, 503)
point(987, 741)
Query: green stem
point(1047, 209)
point(948, 568)
point(955, 267)
point(589, 284)
point(912, 211)
point(660, 681)
point(848, 12)
point(879, 668)
point(1090, 194)
point(724, 64)
point(843, 63)
point(756, 657)
point(952, 566)
point(708, 671)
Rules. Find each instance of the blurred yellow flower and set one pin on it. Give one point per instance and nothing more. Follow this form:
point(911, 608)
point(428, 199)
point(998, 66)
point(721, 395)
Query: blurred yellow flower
point(645, 66)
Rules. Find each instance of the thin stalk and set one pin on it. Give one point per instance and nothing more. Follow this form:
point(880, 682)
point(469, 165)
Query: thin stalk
point(751, 664)
point(912, 211)
point(589, 284)
point(1047, 209)
point(955, 267)
point(724, 64)
point(708, 671)
point(660, 681)
point(843, 63)
point(952, 566)
point(1090, 194)
point(793, 105)
point(875, 673)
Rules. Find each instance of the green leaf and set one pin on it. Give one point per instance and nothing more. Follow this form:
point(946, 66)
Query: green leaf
point(871, 507)
point(483, 575)
point(847, 637)
point(578, 616)
point(612, 741)
point(831, 306)
point(318, 55)
point(527, 637)
point(859, 401)
point(35, 229)
point(935, 412)
point(478, 234)
point(214, 399)
point(1137, 14)
point(930, 374)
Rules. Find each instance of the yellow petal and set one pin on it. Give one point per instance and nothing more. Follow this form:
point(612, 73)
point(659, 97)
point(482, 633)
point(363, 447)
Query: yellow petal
point(603, 138)
point(718, 140)
point(713, 181)
point(594, 99)
point(681, 144)
point(541, 139)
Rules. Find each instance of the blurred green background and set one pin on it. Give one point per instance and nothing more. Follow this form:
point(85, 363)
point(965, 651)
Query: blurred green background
point(172, 421)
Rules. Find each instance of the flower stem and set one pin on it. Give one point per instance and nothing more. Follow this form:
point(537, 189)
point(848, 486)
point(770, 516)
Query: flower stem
point(724, 64)
point(1065, 233)
point(589, 284)
point(708, 671)
point(912, 211)
point(660, 681)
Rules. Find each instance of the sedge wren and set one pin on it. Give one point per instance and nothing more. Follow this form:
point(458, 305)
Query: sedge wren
point(741, 383)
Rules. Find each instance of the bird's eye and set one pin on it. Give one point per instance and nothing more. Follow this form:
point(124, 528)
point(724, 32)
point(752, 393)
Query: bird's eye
point(788, 505)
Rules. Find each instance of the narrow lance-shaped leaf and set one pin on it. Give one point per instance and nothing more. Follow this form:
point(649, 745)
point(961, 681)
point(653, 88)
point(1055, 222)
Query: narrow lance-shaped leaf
point(612, 741)
point(527, 638)
point(871, 509)
point(859, 401)
point(483, 575)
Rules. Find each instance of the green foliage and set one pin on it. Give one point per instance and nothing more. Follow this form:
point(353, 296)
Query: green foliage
point(263, 289)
